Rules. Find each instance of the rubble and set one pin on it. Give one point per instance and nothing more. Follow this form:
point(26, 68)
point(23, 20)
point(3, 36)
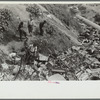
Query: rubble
point(15, 69)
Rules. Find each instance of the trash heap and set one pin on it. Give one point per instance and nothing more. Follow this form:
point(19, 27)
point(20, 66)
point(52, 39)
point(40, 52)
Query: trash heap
point(77, 63)
point(90, 38)
point(89, 35)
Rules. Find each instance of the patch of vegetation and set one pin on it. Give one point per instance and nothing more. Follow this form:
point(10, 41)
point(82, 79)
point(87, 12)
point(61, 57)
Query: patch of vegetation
point(34, 10)
point(49, 29)
point(5, 17)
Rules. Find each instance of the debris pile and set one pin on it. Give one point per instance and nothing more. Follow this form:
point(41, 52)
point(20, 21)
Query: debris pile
point(76, 63)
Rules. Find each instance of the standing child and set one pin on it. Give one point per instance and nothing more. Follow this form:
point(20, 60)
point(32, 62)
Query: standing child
point(21, 31)
point(41, 25)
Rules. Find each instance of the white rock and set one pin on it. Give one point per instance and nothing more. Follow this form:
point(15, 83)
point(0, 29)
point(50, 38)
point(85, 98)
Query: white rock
point(16, 69)
point(12, 55)
point(42, 57)
point(84, 76)
point(4, 66)
point(89, 71)
point(17, 59)
point(56, 77)
point(49, 16)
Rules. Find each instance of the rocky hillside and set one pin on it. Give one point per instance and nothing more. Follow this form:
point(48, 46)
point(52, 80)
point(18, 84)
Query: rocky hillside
point(64, 48)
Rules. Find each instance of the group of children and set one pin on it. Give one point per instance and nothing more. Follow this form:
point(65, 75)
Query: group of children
point(30, 26)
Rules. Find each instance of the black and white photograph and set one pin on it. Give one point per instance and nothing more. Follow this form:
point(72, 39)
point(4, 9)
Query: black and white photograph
point(50, 42)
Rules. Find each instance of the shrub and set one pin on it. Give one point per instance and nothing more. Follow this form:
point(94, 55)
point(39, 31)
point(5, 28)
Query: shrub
point(33, 10)
point(49, 29)
point(5, 14)
point(97, 17)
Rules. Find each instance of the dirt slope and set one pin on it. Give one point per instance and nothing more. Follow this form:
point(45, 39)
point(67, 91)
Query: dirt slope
point(61, 40)
point(60, 25)
point(17, 9)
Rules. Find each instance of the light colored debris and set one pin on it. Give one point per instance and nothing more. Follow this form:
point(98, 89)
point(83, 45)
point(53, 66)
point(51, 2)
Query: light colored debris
point(75, 48)
point(43, 58)
point(57, 70)
point(82, 52)
point(97, 70)
point(43, 72)
point(8, 77)
point(84, 75)
point(11, 55)
point(17, 59)
point(5, 66)
point(29, 69)
point(16, 69)
point(56, 77)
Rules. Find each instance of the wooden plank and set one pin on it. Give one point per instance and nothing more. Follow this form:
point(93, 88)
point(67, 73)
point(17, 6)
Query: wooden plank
point(58, 70)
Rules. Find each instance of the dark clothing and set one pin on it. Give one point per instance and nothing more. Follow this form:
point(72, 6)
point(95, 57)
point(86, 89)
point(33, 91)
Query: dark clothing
point(30, 28)
point(41, 31)
point(30, 57)
point(20, 26)
point(41, 24)
point(27, 56)
point(41, 28)
point(94, 78)
point(21, 31)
